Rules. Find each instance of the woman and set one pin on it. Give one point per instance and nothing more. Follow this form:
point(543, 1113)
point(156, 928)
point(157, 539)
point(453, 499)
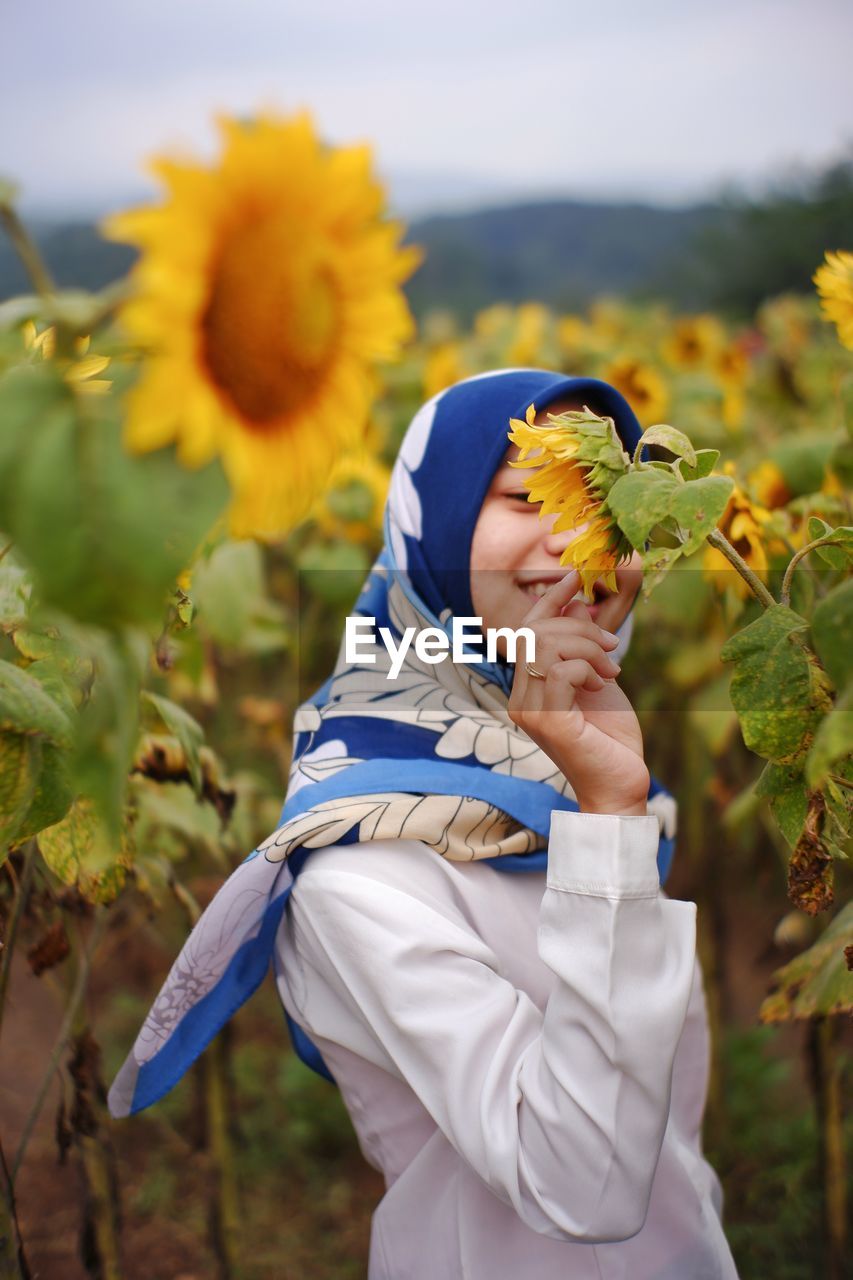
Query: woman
point(524, 1056)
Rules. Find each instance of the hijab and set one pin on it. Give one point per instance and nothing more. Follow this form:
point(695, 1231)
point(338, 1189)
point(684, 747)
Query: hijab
point(430, 755)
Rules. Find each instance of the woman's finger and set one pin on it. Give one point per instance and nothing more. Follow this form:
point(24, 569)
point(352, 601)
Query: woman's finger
point(556, 648)
point(558, 594)
point(575, 620)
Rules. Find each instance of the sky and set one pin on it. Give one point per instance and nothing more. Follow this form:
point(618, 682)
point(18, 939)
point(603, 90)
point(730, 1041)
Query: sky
point(464, 101)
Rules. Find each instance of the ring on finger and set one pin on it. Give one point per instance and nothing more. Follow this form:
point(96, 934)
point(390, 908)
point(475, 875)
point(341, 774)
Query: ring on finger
point(531, 671)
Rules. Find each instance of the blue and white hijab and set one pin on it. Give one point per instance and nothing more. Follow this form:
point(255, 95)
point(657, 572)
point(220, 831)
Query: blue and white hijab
point(431, 755)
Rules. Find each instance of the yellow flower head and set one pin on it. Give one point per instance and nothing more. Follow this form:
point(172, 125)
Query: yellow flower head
point(443, 366)
point(695, 341)
point(494, 321)
point(578, 456)
point(834, 282)
point(642, 386)
point(742, 523)
point(532, 321)
point(267, 289)
point(769, 485)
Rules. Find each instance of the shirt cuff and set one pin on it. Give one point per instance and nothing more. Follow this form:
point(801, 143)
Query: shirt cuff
point(604, 854)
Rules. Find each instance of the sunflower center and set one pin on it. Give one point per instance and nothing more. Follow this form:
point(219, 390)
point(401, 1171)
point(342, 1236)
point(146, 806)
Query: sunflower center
point(271, 322)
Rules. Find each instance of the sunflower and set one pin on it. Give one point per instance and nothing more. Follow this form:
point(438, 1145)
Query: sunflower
point(494, 321)
point(532, 322)
point(443, 366)
point(642, 386)
point(769, 485)
point(834, 280)
point(267, 289)
point(694, 342)
point(742, 523)
point(578, 458)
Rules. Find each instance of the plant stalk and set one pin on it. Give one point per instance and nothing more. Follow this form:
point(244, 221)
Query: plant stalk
point(788, 579)
point(756, 586)
point(13, 1263)
point(77, 993)
point(825, 1064)
point(26, 249)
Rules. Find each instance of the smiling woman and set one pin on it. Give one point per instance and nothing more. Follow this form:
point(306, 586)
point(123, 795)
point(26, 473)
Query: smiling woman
point(463, 902)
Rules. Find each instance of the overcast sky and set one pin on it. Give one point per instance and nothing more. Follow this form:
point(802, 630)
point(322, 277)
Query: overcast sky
point(664, 100)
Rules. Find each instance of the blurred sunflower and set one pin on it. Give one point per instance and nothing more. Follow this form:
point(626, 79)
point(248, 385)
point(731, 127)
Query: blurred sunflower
point(834, 280)
point(608, 319)
point(493, 321)
point(354, 502)
point(695, 341)
point(642, 386)
point(769, 485)
point(443, 365)
point(579, 457)
point(267, 289)
point(571, 333)
point(742, 523)
point(532, 321)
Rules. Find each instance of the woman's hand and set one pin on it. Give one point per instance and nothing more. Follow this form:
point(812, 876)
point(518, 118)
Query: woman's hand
point(578, 715)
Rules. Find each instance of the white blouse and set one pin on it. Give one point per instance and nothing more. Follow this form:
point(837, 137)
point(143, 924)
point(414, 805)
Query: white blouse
point(524, 1056)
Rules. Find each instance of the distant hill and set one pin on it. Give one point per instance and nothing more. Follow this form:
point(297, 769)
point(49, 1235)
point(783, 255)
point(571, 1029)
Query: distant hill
point(728, 256)
point(559, 252)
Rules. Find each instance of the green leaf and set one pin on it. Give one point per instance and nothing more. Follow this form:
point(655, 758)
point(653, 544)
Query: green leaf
point(785, 788)
point(706, 460)
point(52, 795)
point(803, 460)
point(832, 633)
point(656, 562)
point(647, 497)
point(105, 533)
point(30, 395)
point(671, 439)
point(818, 982)
point(185, 728)
point(20, 761)
point(26, 708)
point(333, 571)
point(108, 722)
point(698, 506)
point(80, 850)
point(839, 552)
point(778, 689)
point(15, 586)
point(640, 500)
point(833, 740)
point(351, 502)
point(231, 603)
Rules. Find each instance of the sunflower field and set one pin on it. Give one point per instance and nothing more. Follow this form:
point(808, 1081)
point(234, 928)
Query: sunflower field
point(193, 469)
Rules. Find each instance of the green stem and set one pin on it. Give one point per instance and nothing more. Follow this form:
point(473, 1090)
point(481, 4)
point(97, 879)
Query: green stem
point(826, 1084)
point(827, 541)
point(26, 249)
point(756, 586)
point(30, 849)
